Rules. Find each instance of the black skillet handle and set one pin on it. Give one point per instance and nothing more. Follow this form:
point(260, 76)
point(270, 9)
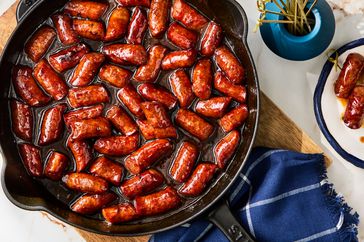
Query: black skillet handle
point(222, 217)
point(23, 7)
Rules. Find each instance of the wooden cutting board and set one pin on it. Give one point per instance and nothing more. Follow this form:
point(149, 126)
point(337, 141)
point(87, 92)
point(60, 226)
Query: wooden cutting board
point(276, 130)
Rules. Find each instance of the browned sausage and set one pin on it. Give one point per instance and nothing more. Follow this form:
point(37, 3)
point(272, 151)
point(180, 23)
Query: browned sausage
point(86, 96)
point(26, 87)
point(153, 92)
point(182, 88)
point(86, 9)
point(229, 64)
point(150, 132)
point(89, 29)
point(83, 113)
point(133, 3)
point(234, 118)
point(211, 39)
point(83, 182)
point(194, 124)
point(349, 75)
point(90, 204)
point(119, 213)
point(224, 150)
point(148, 154)
point(131, 99)
point(223, 85)
point(52, 125)
point(158, 17)
point(214, 107)
point(187, 15)
point(137, 27)
point(63, 24)
point(202, 78)
point(158, 202)
point(142, 183)
point(149, 72)
point(68, 58)
point(81, 152)
point(117, 24)
point(49, 80)
point(56, 165)
point(121, 120)
point(181, 37)
point(40, 42)
point(107, 169)
point(179, 59)
point(31, 158)
point(22, 120)
point(115, 75)
point(354, 112)
point(184, 162)
point(199, 179)
point(126, 54)
point(87, 69)
point(156, 114)
point(90, 128)
point(117, 145)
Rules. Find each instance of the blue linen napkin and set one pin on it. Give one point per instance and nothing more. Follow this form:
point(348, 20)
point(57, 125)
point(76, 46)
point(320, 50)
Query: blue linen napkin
point(280, 196)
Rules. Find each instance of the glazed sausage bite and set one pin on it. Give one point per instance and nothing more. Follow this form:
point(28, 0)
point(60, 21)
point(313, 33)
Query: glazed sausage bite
point(181, 37)
point(83, 113)
point(355, 108)
point(107, 169)
point(26, 87)
point(223, 85)
point(86, 9)
point(87, 69)
point(83, 182)
point(150, 132)
point(211, 39)
point(86, 96)
point(156, 114)
point(31, 158)
point(117, 145)
point(119, 213)
point(90, 204)
point(81, 152)
point(68, 58)
point(148, 154)
point(187, 15)
point(52, 125)
point(158, 17)
point(182, 88)
point(229, 64)
point(90, 128)
point(202, 79)
point(133, 3)
point(56, 165)
point(179, 59)
point(349, 75)
point(142, 183)
point(126, 54)
point(199, 180)
point(89, 29)
point(149, 72)
point(121, 120)
point(234, 118)
point(225, 149)
point(214, 107)
point(40, 42)
point(158, 202)
point(194, 124)
point(185, 160)
point(117, 24)
point(131, 99)
point(137, 27)
point(115, 75)
point(63, 24)
point(153, 92)
point(21, 120)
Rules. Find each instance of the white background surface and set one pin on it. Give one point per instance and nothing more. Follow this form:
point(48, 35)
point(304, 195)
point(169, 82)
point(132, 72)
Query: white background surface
point(292, 92)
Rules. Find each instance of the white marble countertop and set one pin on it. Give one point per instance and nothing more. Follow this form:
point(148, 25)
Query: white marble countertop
point(297, 84)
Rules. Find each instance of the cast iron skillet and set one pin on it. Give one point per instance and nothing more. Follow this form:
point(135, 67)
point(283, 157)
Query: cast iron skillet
point(27, 194)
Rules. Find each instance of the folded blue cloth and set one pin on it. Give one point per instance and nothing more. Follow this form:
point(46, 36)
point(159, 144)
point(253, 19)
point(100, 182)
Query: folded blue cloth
point(280, 196)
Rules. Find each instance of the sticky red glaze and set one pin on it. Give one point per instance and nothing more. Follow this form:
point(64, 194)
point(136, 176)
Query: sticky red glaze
point(22, 120)
point(156, 114)
point(90, 204)
point(158, 202)
point(182, 88)
point(149, 72)
point(131, 99)
point(214, 107)
point(83, 113)
point(148, 154)
point(142, 183)
point(349, 75)
point(126, 54)
point(26, 87)
point(68, 58)
point(117, 145)
point(226, 147)
point(150, 132)
point(354, 112)
point(82, 153)
point(86, 9)
point(153, 92)
point(158, 17)
point(86, 70)
point(133, 3)
point(89, 29)
point(86, 96)
point(184, 162)
point(31, 158)
point(56, 165)
point(119, 213)
point(194, 124)
point(202, 79)
point(234, 118)
point(211, 39)
point(137, 27)
point(49, 80)
point(117, 24)
point(121, 120)
point(187, 15)
point(115, 75)
point(64, 27)
point(90, 128)
point(181, 37)
point(229, 64)
point(39, 42)
point(223, 85)
point(179, 59)
point(52, 125)
point(107, 169)
point(83, 182)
